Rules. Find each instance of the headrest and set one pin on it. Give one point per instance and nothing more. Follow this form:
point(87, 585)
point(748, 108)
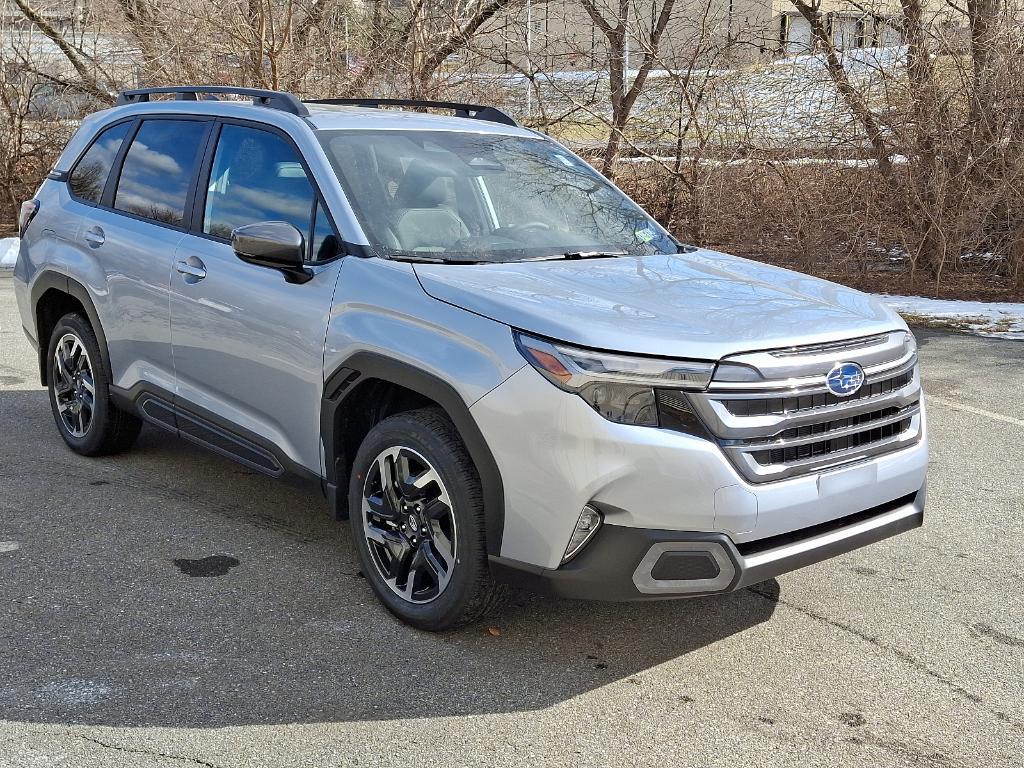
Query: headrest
point(421, 187)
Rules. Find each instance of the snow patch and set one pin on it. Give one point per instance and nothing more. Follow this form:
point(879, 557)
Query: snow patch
point(8, 252)
point(1003, 320)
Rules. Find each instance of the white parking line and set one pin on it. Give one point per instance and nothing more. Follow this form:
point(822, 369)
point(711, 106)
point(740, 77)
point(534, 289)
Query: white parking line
point(952, 404)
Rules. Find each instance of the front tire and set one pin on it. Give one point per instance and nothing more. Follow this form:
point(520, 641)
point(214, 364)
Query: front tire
point(418, 522)
point(80, 392)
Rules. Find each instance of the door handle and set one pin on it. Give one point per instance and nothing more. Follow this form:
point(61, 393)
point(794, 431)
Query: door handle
point(94, 237)
point(191, 267)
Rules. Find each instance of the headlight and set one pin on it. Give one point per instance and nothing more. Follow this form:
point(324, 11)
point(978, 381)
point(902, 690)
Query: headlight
point(622, 388)
point(910, 340)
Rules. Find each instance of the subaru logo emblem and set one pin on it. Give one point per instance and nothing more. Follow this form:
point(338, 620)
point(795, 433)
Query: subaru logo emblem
point(845, 379)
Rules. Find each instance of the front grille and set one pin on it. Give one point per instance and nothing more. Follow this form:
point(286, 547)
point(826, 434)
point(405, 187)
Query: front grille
point(833, 425)
point(788, 424)
point(834, 445)
point(797, 403)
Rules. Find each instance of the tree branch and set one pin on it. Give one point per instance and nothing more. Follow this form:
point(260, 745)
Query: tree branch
point(89, 82)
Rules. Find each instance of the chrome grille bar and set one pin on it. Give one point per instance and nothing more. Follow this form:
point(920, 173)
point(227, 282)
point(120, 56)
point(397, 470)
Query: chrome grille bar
point(782, 421)
point(829, 434)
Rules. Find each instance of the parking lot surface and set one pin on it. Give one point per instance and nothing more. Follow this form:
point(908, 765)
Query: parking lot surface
point(167, 607)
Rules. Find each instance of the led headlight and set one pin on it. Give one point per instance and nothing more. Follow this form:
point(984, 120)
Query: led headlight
point(910, 340)
point(619, 387)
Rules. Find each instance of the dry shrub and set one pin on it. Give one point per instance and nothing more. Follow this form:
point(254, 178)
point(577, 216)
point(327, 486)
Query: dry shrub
point(837, 221)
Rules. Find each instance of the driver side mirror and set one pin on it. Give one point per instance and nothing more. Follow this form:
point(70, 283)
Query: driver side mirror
point(274, 244)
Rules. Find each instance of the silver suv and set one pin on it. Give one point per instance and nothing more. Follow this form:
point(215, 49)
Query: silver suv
point(497, 366)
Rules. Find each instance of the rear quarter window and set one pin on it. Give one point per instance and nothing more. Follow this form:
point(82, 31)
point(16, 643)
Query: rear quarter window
point(90, 174)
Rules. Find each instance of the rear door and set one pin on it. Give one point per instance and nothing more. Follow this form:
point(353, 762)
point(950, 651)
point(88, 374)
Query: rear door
point(248, 345)
point(137, 219)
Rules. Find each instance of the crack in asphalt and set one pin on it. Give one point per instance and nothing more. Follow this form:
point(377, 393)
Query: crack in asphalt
point(920, 666)
point(138, 751)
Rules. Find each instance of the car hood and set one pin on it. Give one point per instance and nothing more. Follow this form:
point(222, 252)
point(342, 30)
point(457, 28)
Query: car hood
point(703, 304)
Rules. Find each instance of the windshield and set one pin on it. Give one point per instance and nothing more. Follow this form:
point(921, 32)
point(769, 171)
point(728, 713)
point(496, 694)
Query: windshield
point(452, 196)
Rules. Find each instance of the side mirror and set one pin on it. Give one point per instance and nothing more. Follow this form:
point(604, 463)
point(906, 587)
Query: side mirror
point(274, 244)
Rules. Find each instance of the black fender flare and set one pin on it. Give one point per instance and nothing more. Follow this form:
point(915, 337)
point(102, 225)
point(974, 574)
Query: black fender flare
point(50, 279)
point(363, 366)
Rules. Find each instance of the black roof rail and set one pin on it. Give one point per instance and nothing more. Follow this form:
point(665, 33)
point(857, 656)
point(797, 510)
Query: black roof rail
point(472, 111)
point(281, 100)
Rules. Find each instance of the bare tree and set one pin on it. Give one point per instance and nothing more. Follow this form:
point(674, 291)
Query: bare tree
point(614, 23)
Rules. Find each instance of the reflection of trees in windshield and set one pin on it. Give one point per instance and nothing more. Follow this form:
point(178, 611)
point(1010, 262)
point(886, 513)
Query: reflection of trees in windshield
point(541, 188)
point(484, 197)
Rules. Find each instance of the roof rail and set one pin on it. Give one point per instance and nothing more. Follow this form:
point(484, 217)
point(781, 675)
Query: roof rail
point(472, 111)
point(281, 100)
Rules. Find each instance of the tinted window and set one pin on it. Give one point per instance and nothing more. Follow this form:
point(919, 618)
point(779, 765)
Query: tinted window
point(158, 169)
point(90, 175)
point(256, 176)
point(325, 242)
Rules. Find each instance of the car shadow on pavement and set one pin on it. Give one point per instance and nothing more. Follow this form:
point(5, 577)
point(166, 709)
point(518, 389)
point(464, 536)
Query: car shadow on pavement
point(170, 587)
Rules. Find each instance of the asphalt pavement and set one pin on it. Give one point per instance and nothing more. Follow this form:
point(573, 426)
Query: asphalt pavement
point(168, 607)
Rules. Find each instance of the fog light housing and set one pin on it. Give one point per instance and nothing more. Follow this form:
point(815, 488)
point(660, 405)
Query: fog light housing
point(589, 521)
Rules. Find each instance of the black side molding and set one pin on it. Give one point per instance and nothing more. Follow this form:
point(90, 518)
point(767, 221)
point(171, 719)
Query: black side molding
point(197, 425)
point(364, 366)
point(59, 282)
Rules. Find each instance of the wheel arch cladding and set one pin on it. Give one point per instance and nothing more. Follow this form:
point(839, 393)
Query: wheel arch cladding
point(53, 296)
point(395, 386)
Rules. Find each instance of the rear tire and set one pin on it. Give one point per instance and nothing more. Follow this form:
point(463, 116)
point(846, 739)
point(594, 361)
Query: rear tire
point(79, 391)
point(417, 521)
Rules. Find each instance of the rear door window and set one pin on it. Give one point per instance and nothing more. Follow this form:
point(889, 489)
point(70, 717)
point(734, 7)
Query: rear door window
point(90, 174)
point(159, 168)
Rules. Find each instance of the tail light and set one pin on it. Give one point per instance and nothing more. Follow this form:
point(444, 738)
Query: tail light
point(29, 209)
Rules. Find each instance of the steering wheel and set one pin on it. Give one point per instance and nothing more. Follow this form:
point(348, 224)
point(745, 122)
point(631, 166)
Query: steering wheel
point(531, 225)
point(512, 230)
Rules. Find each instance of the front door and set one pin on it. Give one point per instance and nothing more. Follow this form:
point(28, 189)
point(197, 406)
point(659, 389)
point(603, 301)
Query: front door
point(248, 345)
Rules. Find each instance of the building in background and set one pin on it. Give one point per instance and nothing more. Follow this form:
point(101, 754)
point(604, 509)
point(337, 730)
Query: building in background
point(559, 35)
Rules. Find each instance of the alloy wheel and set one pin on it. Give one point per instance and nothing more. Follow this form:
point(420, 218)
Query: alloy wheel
point(74, 385)
point(409, 524)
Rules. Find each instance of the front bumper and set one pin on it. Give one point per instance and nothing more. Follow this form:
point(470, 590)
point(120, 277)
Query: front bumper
point(625, 564)
point(555, 455)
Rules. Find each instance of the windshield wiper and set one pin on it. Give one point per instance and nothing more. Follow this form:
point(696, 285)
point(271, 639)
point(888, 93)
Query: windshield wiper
point(576, 255)
point(424, 259)
point(430, 258)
